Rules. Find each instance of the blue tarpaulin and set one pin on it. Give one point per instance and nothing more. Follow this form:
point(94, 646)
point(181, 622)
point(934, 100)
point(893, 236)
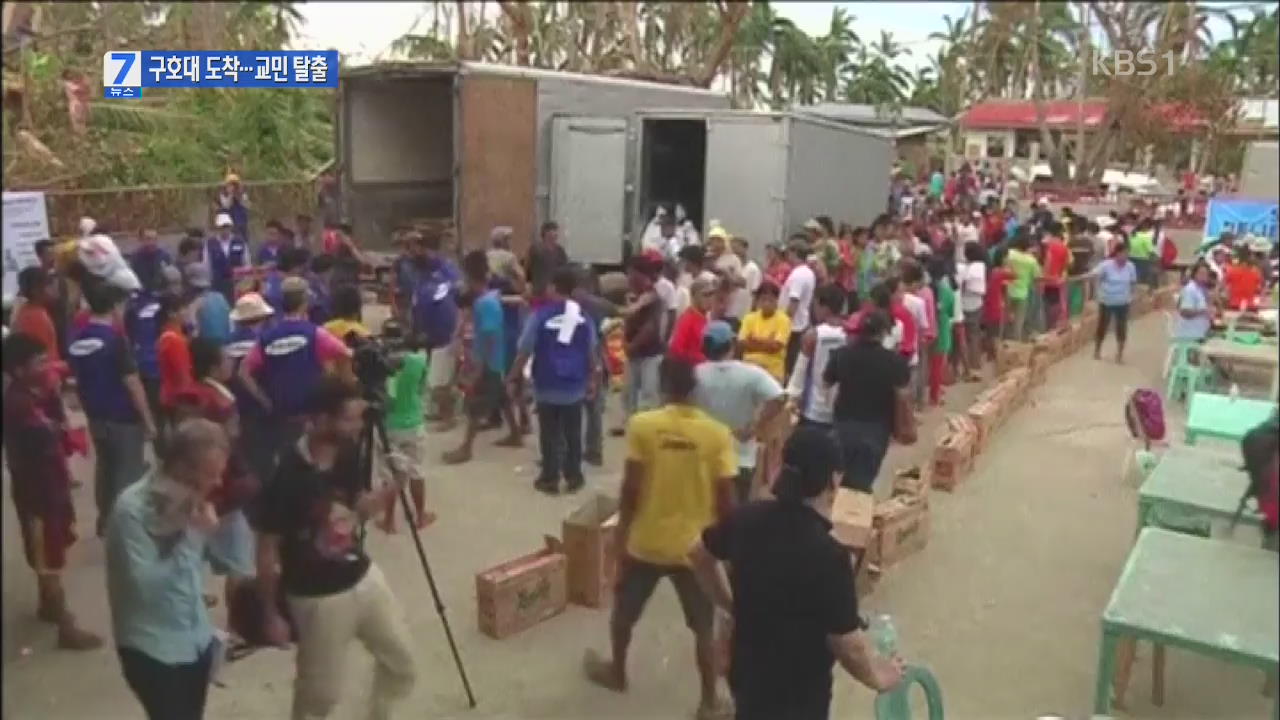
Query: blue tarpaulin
point(1241, 216)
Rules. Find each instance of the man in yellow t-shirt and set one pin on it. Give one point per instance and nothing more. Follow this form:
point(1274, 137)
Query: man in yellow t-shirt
point(764, 334)
point(678, 481)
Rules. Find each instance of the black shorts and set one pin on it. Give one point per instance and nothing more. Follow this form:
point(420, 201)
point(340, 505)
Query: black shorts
point(487, 396)
point(636, 581)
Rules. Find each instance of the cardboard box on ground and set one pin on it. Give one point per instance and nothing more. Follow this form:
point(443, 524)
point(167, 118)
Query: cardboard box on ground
point(589, 545)
point(523, 592)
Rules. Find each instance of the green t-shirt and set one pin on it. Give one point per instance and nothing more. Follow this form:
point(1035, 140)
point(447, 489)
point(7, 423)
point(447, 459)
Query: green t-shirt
point(1142, 245)
point(1025, 270)
point(404, 393)
point(946, 316)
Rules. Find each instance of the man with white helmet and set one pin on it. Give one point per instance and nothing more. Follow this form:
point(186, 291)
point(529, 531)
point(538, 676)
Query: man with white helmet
point(224, 252)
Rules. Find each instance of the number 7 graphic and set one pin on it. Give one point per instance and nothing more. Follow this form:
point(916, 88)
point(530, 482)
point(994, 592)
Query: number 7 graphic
point(128, 59)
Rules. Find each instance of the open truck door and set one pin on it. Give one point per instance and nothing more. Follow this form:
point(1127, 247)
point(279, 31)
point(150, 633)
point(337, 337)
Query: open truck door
point(588, 185)
point(746, 177)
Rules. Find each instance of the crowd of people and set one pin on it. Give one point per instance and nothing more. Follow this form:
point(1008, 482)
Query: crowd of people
point(234, 365)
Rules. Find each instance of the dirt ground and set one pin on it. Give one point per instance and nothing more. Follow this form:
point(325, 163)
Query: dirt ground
point(1003, 605)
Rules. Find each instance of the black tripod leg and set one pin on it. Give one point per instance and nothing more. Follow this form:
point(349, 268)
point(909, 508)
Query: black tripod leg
point(380, 427)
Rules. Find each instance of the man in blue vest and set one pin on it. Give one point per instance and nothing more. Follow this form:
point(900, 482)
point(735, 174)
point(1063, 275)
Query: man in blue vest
point(562, 341)
point(143, 330)
point(288, 360)
point(224, 252)
point(435, 320)
point(112, 395)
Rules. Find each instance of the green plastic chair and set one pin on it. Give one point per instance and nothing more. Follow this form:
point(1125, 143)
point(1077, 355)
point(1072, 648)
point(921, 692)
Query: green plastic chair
point(1184, 378)
point(896, 704)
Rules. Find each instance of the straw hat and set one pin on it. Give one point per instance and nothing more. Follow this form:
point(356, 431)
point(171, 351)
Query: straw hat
point(250, 306)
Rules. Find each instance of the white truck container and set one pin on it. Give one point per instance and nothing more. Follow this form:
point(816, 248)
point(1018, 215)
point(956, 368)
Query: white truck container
point(1260, 175)
point(762, 174)
point(474, 143)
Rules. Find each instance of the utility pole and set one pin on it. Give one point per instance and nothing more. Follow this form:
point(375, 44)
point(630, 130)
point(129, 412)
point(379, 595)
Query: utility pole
point(1081, 86)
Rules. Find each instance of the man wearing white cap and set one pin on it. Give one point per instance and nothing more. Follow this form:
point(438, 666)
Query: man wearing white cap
point(224, 252)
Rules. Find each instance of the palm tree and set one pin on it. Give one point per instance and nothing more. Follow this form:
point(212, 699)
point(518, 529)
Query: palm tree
point(750, 45)
point(834, 49)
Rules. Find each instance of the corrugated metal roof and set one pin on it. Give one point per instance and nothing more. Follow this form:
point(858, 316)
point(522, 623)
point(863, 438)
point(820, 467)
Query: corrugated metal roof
point(899, 133)
point(419, 68)
point(862, 114)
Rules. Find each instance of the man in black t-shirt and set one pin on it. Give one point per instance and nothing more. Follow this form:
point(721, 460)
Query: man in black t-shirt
point(545, 257)
point(873, 386)
point(311, 546)
point(790, 592)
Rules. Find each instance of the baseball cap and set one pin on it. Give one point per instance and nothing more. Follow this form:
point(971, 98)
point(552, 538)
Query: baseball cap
point(808, 460)
point(812, 224)
point(222, 220)
point(718, 334)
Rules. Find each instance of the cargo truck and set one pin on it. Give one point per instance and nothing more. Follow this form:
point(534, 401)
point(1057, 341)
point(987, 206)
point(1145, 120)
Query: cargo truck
point(488, 145)
point(471, 142)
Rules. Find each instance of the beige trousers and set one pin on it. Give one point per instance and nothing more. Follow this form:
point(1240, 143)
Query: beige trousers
point(326, 626)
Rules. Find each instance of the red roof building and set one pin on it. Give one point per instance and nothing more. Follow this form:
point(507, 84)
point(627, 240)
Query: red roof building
point(1062, 115)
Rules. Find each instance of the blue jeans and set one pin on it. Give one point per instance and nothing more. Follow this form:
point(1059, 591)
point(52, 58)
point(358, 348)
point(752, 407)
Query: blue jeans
point(863, 445)
point(118, 448)
point(560, 441)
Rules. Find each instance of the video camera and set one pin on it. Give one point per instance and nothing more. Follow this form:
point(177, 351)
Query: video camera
point(375, 359)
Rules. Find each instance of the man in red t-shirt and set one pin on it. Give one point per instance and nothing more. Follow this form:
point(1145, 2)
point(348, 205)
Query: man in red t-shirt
point(1057, 256)
point(993, 314)
point(686, 337)
point(992, 226)
point(33, 317)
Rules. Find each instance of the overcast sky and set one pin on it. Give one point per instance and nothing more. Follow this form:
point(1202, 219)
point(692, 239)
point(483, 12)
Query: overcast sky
point(330, 24)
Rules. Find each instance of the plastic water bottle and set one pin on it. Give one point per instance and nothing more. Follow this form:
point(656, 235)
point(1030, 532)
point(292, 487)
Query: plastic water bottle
point(1235, 392)
point(886, 636)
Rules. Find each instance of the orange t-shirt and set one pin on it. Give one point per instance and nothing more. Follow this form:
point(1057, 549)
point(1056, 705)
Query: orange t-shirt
point(33, 319)
point(1243, 282)
point(173, 356)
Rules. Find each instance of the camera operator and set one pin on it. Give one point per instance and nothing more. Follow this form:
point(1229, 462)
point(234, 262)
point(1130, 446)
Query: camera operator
point(311, 546)
point(288, 360)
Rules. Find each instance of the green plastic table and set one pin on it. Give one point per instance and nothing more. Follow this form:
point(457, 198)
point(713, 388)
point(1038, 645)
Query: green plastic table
point(1195, 482)
point(1216, 598)
point(1220, 416)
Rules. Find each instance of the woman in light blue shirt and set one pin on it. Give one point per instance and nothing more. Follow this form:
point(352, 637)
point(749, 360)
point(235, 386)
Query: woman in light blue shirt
point(1116, 278)
point(156, 545)
point(1194, 310)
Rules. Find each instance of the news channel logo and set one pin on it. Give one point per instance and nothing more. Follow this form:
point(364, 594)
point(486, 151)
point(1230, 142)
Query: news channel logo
point(126, 73)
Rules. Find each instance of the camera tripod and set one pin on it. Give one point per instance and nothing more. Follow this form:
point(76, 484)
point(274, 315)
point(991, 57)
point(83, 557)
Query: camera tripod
point(375, 429)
